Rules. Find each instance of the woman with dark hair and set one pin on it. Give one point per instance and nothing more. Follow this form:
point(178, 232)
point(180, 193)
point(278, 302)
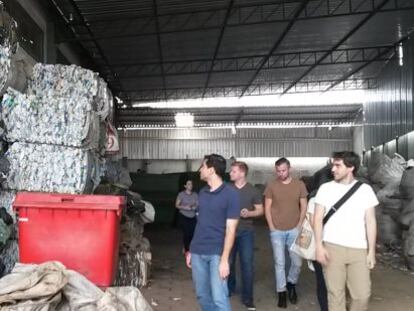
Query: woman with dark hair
point(322, 176)
point(187, 203)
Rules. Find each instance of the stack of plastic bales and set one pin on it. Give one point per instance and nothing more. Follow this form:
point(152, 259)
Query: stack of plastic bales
point(57, 130)
point(5, 62)
point(8, 44)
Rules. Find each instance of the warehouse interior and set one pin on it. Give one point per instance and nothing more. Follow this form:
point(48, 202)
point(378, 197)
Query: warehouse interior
point(252, 80)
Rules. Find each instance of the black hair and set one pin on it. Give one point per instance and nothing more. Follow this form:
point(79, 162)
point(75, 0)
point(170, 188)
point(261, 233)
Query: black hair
point(217, 162)
point(350, 158)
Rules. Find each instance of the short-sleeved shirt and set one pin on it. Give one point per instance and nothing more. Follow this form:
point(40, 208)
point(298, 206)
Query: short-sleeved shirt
point(311, 206)
point(189, 200)
point(249, 197)
point(347, 227)
point(285, 209)
point(214, 208)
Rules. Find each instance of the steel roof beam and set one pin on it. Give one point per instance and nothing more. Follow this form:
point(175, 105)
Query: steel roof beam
point(251, 111)
point(337, 45)
point(253, 90)
point(299, 10)
point(159, 45)
point(216, 50)
point(383, 53)
point(241, 15)
point(250, 63)
point(105, 68)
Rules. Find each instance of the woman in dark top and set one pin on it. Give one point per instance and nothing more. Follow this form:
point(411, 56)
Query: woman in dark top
point(322, 176)
point(187, 203)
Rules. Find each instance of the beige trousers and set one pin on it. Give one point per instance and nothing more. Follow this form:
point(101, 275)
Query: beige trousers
point(347, 267)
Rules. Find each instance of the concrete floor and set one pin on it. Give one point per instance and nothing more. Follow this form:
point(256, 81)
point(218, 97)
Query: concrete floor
point(171, 286)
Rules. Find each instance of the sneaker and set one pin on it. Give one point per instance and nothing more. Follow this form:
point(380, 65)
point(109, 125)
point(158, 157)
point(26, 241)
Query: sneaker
point(250, 306)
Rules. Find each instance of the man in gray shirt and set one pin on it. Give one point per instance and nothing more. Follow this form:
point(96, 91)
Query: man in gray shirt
point(250, 207)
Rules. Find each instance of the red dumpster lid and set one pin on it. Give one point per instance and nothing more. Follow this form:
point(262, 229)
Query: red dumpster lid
point(68, 201)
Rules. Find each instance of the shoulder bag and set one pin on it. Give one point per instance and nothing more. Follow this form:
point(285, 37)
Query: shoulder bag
point(304, 244)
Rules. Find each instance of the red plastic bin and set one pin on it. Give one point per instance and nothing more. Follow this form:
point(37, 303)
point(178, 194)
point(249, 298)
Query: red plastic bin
point(81, 231)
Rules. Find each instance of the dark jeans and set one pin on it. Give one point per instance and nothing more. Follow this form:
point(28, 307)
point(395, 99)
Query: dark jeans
point(187, 225)
point(321, 287)
point(244, 246)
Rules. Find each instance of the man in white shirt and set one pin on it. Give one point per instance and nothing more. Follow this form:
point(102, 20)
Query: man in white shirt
point(345, 246)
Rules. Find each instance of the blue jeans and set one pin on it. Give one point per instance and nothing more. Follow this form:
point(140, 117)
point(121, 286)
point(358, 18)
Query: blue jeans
point(280, 240)
point(244, 246)
point(211, 290)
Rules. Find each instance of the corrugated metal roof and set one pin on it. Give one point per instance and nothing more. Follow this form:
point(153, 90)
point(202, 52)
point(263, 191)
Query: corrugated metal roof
point(153, 50)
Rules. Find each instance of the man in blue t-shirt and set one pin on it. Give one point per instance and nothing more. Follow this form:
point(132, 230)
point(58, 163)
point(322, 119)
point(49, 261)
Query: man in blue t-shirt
point(219, 211)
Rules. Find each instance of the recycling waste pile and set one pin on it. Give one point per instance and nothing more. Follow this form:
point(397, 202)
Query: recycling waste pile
point(393, 181)
point(134, 250)
point(56, 140)
point(50, 286)
point(8, 234)
point(8, 45)
point(53, 138)
point(57, 130)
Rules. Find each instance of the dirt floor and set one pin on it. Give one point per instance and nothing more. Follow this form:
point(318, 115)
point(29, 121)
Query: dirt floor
point(171, 286)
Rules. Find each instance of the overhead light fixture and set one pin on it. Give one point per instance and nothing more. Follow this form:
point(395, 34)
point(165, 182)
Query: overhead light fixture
point(184, 119)
point(349, 97)
point(400, 54)
point(233, 130)
point(250, 125)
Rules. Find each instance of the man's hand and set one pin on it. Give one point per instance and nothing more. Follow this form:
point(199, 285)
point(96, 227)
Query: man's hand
point(188, 259)
point(371, 260)
point(322, 255)
point(224, 269)
point(244, 213)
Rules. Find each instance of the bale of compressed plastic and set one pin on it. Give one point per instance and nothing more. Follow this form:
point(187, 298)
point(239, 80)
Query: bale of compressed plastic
point(5, 64)
point(389, 198)
point(407, 183)
point(389, 230)
point(8, 45)
point(407, 212)
point(384, 170)
point(134, 254)
point(54, 120)
point(9, 255)
point(72, 82)
point(52, 168)
point(6, 200)
point(116, 174)
point(408, 247)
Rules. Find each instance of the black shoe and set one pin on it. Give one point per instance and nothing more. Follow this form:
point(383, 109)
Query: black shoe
point(282, 300)
point(250, 306)
point(293, 297)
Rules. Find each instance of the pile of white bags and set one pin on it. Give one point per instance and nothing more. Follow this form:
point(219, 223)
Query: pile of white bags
point(50, 286)
point(393, 180)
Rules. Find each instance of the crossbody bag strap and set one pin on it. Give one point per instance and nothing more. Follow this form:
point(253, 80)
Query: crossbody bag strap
point(341, 201)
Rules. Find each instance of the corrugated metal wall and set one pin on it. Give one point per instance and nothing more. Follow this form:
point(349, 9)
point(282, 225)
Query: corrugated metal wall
point(389, 110)
point(195, 143)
